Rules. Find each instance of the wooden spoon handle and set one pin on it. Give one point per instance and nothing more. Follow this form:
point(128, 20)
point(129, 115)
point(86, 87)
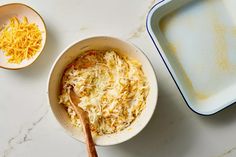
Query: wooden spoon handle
point(86, 128)
point(89, 139)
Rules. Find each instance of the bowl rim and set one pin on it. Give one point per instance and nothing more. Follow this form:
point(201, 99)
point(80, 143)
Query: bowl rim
point(145, 123)
point(45, 30)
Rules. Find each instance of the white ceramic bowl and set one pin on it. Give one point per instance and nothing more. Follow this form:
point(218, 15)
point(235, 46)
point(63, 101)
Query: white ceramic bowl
point(19, 10)
point(101, 43)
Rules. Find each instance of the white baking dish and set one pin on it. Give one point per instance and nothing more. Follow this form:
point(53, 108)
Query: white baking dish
point(197, 42)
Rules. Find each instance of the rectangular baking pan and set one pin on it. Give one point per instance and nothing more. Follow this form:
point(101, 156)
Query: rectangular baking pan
point(197, 41)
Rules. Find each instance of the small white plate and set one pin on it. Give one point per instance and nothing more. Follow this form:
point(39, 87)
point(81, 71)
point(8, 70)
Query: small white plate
point(20, 10)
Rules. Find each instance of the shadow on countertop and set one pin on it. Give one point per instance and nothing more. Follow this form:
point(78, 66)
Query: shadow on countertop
point(169, 133)
point(222, 118)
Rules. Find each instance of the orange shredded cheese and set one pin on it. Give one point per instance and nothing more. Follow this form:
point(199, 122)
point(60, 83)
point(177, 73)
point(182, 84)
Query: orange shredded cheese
point(20, 40)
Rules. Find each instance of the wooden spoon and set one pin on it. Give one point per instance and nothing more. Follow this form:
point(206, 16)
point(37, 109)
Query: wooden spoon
point(83, 116)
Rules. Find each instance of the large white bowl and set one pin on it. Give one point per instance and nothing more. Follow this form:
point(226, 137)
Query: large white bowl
point(101, 43)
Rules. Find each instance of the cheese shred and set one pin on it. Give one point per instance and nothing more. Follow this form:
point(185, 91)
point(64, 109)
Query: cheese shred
point(111, 88)
point(20, 40)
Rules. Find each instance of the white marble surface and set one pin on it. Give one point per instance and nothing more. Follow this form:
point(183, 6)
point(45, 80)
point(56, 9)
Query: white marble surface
point(27, 125)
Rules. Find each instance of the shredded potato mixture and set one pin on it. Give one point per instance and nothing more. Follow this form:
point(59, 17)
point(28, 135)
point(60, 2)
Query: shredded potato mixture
point(111, 88)
point(20, 40)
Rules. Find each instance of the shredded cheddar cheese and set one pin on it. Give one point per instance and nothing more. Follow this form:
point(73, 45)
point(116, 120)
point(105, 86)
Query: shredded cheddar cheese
point(20, 40)
point(112, 89)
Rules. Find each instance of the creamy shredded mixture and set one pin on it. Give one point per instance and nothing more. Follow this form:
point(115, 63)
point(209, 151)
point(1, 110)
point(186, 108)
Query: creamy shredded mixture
point(112, 89)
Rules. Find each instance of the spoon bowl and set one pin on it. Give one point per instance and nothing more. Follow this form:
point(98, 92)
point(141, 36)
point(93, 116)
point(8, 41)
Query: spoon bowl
point(19, 10)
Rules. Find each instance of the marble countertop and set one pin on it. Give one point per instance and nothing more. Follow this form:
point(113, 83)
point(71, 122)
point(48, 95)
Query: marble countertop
point(29, 129)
